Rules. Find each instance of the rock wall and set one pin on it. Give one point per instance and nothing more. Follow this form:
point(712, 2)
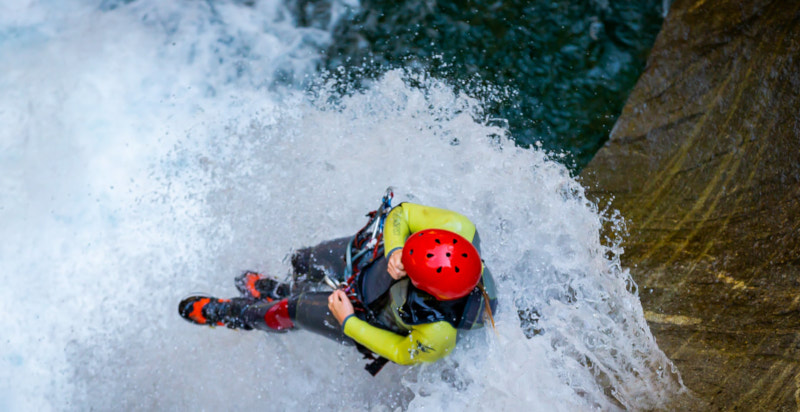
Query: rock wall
point(704, 163)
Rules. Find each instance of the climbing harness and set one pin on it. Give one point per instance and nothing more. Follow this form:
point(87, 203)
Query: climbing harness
point(368, 239)
point(362, 250)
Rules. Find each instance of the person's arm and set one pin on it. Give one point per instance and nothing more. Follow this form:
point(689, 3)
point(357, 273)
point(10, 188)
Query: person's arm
point(408, 218)
point(427, 342)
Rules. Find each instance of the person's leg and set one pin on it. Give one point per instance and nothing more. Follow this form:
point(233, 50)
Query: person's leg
point(311, 264)
point(238, 313)
point(307, 311)
point(264, 304)
point(310, 311)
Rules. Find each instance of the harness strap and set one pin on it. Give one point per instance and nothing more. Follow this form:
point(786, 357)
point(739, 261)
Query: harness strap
point(375, 366)
point(368, 238)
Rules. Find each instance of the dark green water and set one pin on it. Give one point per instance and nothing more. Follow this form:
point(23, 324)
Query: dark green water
point(569, 65)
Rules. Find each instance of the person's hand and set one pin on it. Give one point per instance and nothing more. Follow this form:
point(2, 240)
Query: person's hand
point(395, 265)
point(340, 305)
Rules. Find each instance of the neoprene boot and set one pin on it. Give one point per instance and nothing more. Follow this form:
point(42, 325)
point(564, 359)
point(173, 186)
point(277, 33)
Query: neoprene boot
point(252, 284)
point(206, 310)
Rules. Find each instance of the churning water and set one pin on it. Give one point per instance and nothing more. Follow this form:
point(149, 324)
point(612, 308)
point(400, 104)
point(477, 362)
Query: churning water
point(148, 151)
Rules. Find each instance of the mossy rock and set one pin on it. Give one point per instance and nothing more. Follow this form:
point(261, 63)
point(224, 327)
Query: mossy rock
point(704, 163)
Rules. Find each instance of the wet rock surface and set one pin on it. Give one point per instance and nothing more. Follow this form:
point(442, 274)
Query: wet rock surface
point(704, 163)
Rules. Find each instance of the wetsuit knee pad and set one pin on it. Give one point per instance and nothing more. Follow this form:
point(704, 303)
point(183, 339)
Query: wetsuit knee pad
point(269, 316)
point(277, 316)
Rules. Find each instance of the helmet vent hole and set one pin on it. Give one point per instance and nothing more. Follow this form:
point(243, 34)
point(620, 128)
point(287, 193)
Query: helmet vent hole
point(430, 255)
point(464, 254)
point(437, 241)
point(439, 270)
point(456, 269)
point(448, 254)
point(411, 251)
point(455, 241)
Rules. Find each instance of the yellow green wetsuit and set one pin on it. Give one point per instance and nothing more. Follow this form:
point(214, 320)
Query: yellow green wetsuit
point(425, 342)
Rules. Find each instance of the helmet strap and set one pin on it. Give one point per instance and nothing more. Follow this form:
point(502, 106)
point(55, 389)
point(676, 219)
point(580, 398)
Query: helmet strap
point(488, 308)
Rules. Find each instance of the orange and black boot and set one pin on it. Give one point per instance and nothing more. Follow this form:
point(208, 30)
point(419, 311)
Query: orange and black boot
point(205, 310)
point(252, 284)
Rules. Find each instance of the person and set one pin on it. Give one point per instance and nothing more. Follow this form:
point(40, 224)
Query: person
point(404, 288)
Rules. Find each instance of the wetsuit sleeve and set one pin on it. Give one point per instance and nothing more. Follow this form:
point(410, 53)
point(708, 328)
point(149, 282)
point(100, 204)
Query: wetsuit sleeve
point(408, 218)
point(427, 342)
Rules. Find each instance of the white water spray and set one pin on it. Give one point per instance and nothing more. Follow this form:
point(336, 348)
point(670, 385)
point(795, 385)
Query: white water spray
point(147, 153)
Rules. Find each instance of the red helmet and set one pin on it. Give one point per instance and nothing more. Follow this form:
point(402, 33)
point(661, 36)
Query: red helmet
point(442, 263)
